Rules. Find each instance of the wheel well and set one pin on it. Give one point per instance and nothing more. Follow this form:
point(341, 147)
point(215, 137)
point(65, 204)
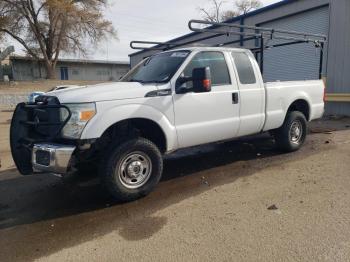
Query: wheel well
point(136, 127)
point(301, 106)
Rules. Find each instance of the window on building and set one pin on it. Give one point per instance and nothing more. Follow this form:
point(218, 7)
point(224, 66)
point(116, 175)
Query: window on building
point(217, 64)
point(244, 68)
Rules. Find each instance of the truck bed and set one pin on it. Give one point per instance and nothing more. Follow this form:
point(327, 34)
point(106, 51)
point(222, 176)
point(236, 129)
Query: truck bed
point(279, 95)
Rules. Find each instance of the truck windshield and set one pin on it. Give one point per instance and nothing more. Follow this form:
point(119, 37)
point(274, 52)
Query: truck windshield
point(159, 68)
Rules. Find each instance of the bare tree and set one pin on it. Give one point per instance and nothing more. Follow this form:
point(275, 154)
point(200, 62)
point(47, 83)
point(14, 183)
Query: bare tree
point(216, 14)
point(245, 6)
point(226, 15)
point(46, 28)
point(3, 21)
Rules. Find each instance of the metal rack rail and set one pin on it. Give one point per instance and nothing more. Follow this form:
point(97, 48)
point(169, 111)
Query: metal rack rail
point(246, 33)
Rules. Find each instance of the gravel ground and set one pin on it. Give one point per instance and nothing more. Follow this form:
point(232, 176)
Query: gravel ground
point(24, 87)
point(14, 93)
point(11, 100)
point(235, 201)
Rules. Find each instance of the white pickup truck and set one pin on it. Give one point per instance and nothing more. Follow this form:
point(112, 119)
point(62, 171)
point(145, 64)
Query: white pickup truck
point(172, 100)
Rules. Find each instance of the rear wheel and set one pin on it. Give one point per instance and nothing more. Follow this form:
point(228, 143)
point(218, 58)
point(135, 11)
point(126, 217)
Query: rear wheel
point(131, 170)
point(291, 135)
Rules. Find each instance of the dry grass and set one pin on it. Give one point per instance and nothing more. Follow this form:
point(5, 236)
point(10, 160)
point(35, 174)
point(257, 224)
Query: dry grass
point(25, 87)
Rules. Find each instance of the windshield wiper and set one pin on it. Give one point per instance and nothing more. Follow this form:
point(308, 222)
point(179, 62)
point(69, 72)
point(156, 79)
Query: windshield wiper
point(154, 81)
point(136, 80)
point(147, 82)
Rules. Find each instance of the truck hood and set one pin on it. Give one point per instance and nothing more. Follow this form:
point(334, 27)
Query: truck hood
point(103, 92)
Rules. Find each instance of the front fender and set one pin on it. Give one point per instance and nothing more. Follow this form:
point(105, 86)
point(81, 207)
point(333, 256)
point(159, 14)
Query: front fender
point(106, 117)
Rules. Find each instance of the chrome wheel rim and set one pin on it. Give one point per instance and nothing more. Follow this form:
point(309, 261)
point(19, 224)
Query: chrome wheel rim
point(135, 170)
point(296, 132)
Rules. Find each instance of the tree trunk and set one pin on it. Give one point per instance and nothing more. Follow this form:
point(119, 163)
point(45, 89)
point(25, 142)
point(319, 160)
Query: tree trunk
point(51, 72)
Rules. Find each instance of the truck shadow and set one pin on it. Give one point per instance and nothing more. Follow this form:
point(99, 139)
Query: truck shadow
point(33, 207)
point(28, 199)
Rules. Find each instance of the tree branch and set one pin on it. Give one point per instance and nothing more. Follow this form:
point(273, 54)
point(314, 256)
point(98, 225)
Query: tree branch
point(21, 41)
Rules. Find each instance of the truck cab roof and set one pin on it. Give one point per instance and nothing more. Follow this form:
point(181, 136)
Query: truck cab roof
point(206, 48)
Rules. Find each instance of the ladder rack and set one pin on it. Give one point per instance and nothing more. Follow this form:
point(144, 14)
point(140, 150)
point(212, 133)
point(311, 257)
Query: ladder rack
point(262, 35)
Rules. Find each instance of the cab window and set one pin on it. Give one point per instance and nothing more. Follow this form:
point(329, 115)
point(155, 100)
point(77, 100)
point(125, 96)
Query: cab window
point(244, 68)
point(217, 64)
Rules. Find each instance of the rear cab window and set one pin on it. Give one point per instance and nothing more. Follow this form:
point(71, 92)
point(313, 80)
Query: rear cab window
point(244, 67)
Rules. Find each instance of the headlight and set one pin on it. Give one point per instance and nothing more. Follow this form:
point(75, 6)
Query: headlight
point(81, 114)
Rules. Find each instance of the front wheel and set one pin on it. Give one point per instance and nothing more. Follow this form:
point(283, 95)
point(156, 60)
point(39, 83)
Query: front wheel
point(291, 135)
point(131, 170)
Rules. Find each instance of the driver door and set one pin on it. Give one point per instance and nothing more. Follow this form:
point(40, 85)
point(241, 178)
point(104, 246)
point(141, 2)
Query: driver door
point(213, 116)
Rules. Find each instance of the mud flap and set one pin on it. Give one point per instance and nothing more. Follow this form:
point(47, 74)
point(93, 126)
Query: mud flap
point(21, 153)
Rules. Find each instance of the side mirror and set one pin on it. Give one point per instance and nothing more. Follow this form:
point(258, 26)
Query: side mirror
point(201, 78)
point(201, 81)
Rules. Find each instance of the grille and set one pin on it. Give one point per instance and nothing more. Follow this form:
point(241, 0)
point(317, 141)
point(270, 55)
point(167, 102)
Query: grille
point(41, 121)
point(34, 123)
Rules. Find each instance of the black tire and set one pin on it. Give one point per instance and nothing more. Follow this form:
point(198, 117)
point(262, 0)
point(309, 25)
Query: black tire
point(117, 182)
point(288, 140)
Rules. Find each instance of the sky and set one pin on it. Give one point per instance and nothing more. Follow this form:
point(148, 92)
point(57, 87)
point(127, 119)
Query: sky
point(149, 20)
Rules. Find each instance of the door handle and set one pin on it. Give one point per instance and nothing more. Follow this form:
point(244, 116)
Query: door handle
point(234, 98)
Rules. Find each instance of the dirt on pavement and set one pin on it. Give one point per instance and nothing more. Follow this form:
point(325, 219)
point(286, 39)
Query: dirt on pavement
point(234, 201)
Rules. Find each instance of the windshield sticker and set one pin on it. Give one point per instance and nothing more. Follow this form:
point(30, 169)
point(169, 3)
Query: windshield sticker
point(179, 54)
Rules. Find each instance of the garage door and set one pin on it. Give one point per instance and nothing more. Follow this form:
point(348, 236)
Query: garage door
point(301, 61)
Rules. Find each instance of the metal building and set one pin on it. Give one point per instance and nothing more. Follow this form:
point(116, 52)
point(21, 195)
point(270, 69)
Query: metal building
point(27, 69)
point(297, 62)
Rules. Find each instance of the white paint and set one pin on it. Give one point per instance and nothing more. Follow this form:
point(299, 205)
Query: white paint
point(197, 118)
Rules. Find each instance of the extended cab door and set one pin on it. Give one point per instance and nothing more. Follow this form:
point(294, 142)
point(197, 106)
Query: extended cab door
point(252, 92)
point(207, 117)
